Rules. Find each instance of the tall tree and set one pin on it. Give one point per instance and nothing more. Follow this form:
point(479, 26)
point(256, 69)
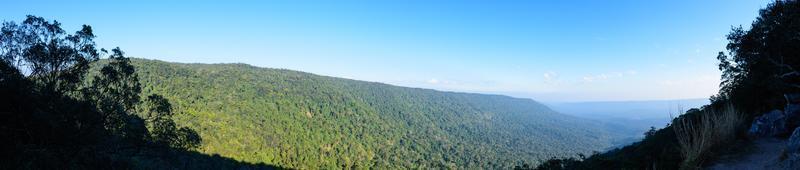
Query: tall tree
point(761, 63)
point(54, 117)
point(115, 91)
point(158, 115)
point(46, 54)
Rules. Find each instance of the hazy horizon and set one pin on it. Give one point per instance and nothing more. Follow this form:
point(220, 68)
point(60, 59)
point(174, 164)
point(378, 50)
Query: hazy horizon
point(548, 51)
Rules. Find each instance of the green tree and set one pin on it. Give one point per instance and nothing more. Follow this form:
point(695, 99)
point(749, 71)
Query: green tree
point(158, 115)
point(115, 92)
point(53, 117)
point(760, 64)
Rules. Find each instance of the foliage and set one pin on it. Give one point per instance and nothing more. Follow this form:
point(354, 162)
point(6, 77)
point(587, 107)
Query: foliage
point(158, 116)
point(55, 118)
point(697, 135)
point(650, 132)
point(307, 121)
point(760, 64)
point(56, 61)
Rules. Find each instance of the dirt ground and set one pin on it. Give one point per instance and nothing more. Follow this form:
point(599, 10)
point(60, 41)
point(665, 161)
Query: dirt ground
point(764, 154)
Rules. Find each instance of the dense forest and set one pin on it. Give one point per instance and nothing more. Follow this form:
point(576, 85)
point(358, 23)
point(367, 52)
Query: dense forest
point(66, 107)
point(56, 116)
point(758, 75)
point(302, 120)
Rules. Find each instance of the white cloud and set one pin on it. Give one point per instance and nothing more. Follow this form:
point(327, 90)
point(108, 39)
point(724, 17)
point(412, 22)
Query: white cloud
point(591, 78)
point(550, 77)
point(602, 76)
point(605, 76)
point(588, 79)
point(442, 83)
point(433, 81)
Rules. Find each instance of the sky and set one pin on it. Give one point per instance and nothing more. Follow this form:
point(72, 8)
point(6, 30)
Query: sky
point(554, 51)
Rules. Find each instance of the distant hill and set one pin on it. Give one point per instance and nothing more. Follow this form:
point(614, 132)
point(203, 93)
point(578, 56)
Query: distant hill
point(301, 120)
point(636, 116)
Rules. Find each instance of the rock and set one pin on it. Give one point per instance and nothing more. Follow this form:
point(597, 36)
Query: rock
point(792, 151)
point(793, 98)
point(769, 124)
point(793, 145)
point(792, 110)
point(792, 113)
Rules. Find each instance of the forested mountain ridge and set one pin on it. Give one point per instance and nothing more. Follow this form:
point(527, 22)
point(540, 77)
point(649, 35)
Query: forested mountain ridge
point(302, 120)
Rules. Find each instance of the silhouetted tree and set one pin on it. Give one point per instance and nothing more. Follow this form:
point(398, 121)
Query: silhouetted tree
point(53, 117)
point(760, 65)
point(158, 114)
point(187, 139)
point(51, 58)
point(115, 92)
point(650, 132)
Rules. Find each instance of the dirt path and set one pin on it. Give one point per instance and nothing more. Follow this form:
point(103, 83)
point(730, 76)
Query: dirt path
point(765, 154)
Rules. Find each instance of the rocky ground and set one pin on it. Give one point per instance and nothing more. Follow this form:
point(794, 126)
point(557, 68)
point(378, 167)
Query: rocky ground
point(767, 151)
point(764, 153)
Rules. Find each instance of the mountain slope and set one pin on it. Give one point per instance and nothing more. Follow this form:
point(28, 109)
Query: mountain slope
point(302, 120)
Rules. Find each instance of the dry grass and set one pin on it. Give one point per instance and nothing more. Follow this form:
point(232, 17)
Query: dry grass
point(709, 129)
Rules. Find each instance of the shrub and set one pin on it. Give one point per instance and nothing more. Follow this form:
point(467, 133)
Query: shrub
point(699, 133)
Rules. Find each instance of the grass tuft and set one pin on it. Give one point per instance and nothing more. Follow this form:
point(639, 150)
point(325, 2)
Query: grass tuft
point(697, 134)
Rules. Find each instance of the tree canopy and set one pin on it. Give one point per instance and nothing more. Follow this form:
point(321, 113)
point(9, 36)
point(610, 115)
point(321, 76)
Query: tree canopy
point(302, 120)
point(54, 117)
point(760, 64)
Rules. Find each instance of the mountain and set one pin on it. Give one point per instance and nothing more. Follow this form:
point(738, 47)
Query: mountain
point(301, 120)
point(637, 116)
point(645, 109)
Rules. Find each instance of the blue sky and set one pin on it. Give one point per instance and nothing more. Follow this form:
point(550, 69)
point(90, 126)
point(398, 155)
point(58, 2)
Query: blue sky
point(547, 50)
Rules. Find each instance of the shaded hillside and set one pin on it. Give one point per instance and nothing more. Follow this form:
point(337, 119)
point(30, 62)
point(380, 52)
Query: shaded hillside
point(55, 116)
point(302, 120)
